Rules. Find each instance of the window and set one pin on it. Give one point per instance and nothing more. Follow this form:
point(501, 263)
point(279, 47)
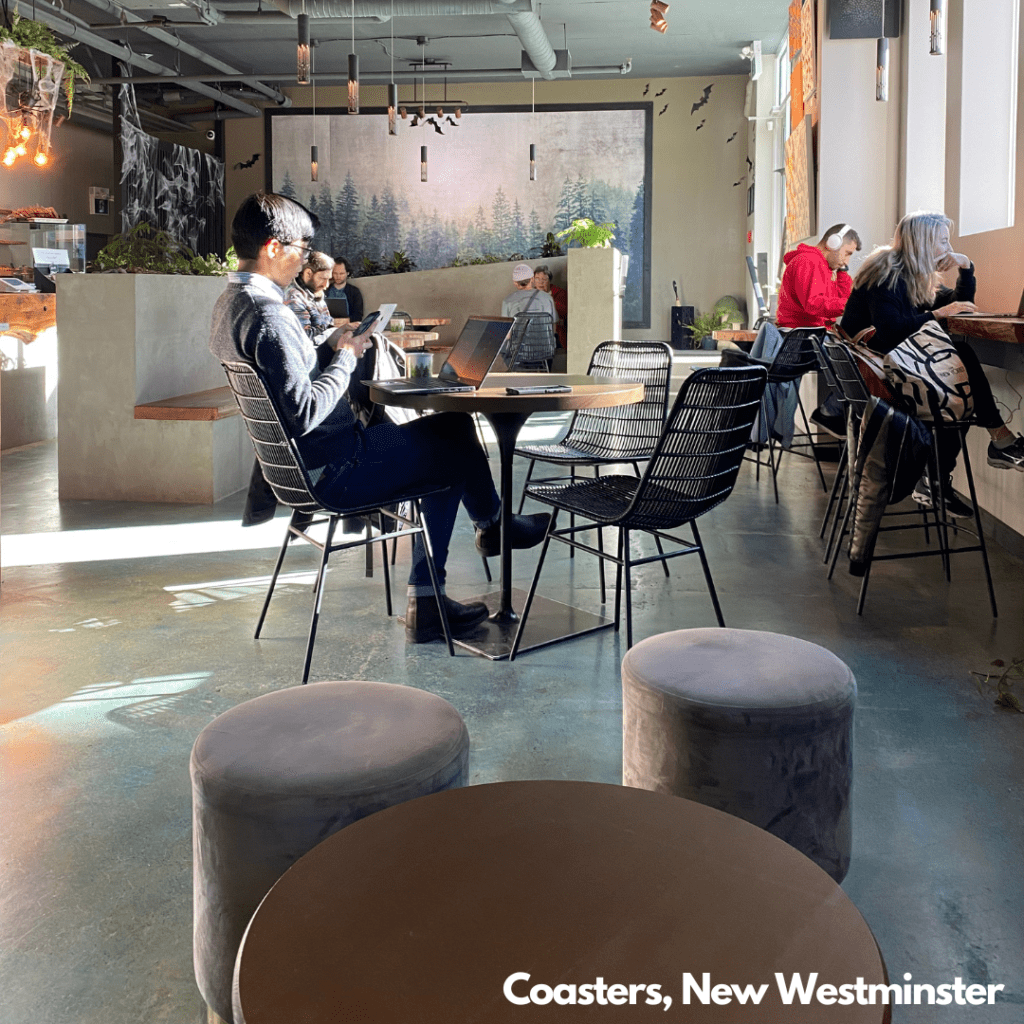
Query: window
point(988, 128)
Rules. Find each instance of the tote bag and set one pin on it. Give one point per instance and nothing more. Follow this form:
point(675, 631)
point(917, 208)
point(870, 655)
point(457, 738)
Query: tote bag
point(927, 372)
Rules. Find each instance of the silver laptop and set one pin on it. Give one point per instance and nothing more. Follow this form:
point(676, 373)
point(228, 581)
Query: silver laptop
point(468, 363)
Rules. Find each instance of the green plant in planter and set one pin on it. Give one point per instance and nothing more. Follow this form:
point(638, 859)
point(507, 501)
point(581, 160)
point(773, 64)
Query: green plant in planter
point(703, 325)
point(148, 250)
point(588, 235)
point(369, 267)
point(32, 35)
point(548, 249)
point(400, 263)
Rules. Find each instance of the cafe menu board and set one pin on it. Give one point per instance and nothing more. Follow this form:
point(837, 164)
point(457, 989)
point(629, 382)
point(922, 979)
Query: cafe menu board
point(801, 214)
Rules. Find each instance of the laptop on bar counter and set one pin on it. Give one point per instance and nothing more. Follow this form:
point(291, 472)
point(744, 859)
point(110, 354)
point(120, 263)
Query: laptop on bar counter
point(469, 361)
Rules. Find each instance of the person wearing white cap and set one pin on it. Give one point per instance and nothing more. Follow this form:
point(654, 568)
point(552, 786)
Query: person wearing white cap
point(527, 299)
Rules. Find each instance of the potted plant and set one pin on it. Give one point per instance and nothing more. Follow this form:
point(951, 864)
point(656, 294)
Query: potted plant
point(588, 235)
point(147, 250)
point(400, 263)
point(703, 325)
point(33, 35)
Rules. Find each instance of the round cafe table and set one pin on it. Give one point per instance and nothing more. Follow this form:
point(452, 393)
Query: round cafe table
point(422, 912)
point(550, 621)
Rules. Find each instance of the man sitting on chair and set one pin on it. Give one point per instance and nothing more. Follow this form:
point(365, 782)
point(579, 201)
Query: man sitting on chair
point(354, 466)
point(526, 298)
point(814, 290)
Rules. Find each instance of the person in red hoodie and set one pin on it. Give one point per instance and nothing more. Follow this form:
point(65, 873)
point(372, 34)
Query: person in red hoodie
point(814, 290)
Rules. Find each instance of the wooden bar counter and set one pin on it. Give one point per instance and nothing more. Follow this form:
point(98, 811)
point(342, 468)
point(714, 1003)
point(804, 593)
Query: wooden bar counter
point(993, 328)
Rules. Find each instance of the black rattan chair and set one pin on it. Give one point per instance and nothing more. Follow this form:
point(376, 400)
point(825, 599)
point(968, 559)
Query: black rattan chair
point(294, 486)
point(848, 377)
point(624, 433)
point(794, 358)
point(692, 470)
point(532, 343)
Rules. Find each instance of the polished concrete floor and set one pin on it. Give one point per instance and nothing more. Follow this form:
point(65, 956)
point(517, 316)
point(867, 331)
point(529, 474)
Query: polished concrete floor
point(127, 627)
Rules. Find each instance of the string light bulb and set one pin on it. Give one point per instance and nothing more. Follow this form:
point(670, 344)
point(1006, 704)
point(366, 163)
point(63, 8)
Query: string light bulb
point(937, 34)
point(392, 88)
point(533, 125)
point(658, 12)
point(302, 55)
point(41, 159)
point(9, 157)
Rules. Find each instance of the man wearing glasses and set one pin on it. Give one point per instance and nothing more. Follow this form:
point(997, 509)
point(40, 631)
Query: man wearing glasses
point(353, 466)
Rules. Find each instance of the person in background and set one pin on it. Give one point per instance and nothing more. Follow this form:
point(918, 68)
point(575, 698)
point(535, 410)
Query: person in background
point(525, 298)
point(305, 297)
point(898, 291)
point(543, 283)
point(815, 287)
point(354, 466)
point(341, 288)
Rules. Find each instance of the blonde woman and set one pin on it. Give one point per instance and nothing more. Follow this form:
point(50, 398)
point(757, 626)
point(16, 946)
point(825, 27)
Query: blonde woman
point(897, 291)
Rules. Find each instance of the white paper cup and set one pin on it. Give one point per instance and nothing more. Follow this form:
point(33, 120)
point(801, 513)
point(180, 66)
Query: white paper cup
point(418, 364)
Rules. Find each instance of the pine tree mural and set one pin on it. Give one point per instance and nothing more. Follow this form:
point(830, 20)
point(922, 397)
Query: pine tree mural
point(288, 187)
point(501, 223)
point(519, 242)
point(324, 240)
point(346, 220)
point(390, 230)
point(534, 235)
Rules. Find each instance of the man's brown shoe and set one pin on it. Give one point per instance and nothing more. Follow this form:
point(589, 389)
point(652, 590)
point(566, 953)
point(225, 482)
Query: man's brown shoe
point(423, 620)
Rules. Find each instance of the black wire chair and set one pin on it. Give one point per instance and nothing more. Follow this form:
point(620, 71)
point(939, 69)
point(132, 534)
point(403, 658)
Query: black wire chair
point(294, 486)
point(692, 470)
point(794, 358)
point(532, 343)
point(850, 381)
point(624, 433)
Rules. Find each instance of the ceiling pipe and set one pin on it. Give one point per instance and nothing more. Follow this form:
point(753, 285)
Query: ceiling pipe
point(383, 77)
point(520, 15)
point(70, 30)
point(168, 39)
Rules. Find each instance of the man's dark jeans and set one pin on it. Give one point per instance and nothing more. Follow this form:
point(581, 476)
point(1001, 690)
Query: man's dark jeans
point(434, 451)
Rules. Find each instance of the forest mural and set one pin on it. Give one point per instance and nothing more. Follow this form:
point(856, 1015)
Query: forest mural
point(478, 202)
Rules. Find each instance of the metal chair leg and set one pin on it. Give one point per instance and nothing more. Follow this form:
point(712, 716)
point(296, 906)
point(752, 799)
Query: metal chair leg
point(837, 485)
point(572, 517)
point(435, 581)
point(842, 534)
point(981, 532)
point(533, 588)
point(387, 570)
point(775, 468)
point(522, 497)
point(321, 579)
point(629, 593)
point(707, 574)
point(487, 568)
point(273, 582)
point(618, 583)
point(600, 546)
point(807, 429)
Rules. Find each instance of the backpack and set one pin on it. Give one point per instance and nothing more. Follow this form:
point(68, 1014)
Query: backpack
point(385, 361)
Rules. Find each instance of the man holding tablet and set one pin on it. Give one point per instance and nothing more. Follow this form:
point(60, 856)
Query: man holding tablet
point(353, 465)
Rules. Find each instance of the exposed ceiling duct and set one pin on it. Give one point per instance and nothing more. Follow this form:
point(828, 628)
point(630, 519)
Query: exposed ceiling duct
point(520, 14)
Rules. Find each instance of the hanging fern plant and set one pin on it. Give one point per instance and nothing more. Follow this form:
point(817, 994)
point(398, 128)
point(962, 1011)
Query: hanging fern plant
point(32, 35)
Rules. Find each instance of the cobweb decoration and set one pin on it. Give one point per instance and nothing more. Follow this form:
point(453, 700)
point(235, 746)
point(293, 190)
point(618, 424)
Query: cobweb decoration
point(29, 90)
point(171, 187)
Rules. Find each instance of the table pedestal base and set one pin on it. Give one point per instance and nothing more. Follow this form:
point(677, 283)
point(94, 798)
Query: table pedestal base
point(549, 622)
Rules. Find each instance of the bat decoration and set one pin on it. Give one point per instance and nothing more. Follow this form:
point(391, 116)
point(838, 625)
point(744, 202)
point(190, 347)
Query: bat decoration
point(663, 109)
point(731, 137)
point(740, 182)
point(454, 124)
point(437, 127)
point(701, 125)
point(247, 163)
point(662, 93)
point(750, 164)
point(647, 89)
point(702, 102)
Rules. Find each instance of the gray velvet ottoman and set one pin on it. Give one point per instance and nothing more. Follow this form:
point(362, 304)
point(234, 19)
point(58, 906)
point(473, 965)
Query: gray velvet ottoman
point(276, 775)
point(755, 724)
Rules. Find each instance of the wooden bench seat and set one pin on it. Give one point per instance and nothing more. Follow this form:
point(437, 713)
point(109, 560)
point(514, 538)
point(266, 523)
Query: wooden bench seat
point(215, 404)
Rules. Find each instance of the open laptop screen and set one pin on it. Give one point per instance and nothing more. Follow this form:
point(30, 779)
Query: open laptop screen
point(478, 345)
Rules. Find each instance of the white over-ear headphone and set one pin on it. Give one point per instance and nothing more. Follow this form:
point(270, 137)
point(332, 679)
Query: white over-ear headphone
point(835, 240)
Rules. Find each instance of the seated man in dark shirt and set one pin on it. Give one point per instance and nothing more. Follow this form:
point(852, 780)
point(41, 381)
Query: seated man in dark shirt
point(353, 466)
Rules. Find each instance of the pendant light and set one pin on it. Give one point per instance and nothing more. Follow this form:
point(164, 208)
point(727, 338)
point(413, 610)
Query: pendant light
point(392, 88)
point(882, 70)
point(353, 69)
point(314, 156)
point(423, 163)
point(938, 28)
point(302, 56)
point(533, 123)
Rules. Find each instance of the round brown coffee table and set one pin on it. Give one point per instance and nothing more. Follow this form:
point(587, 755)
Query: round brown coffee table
point(551, 621)
point(424, 911)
